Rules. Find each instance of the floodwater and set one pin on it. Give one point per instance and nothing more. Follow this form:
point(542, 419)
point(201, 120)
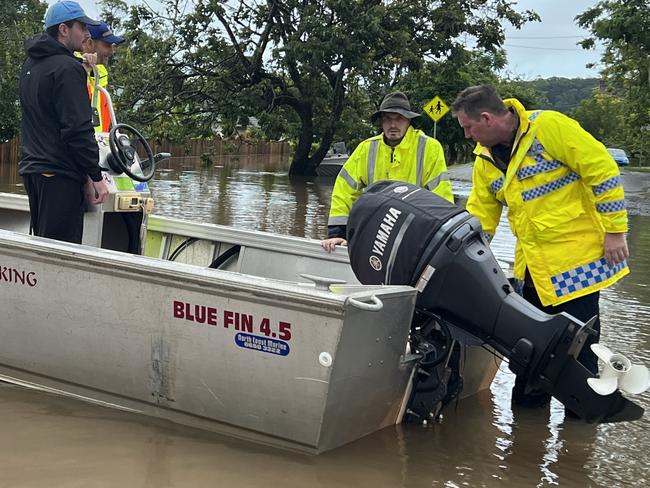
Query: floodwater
point(53, 441)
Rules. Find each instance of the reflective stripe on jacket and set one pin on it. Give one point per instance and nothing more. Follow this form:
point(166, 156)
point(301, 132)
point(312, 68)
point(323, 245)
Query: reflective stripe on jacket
point(563, 192)
point(417, 159)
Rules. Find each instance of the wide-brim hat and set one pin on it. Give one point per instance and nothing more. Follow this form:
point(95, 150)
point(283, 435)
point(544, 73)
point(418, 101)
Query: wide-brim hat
point(397, 103)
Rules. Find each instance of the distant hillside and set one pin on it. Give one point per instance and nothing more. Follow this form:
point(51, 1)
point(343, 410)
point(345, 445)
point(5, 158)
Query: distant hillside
point(564, 94)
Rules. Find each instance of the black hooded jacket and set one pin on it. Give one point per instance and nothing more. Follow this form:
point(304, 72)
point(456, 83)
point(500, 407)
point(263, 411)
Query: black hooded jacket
point(57, 135)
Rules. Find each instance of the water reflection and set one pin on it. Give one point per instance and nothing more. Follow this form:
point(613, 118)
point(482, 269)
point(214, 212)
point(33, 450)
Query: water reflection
point(481, 442)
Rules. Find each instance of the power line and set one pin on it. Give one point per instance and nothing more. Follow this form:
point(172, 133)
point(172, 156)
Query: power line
point(546, 48)
point(545, 37)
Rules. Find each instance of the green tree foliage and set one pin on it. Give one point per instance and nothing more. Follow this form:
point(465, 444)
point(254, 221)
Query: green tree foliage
point(624, 28)
point(153, 82)
point(448, 78)
point(564, 94)
point(603, 116)
point(20, 19)
point(307, 70)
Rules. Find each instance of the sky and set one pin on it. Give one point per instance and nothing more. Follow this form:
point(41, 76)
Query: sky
point(548, 48)
point(540, 49)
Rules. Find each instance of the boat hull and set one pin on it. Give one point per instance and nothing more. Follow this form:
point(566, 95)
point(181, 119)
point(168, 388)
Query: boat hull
point(199, 342)
point(253, 349)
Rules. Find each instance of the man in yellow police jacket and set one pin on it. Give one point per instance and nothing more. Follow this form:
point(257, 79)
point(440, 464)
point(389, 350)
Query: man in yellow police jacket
point(565, 206)
point(400, 153)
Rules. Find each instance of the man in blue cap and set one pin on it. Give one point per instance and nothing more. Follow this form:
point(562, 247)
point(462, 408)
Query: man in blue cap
point(102, 43)
point(59, 162)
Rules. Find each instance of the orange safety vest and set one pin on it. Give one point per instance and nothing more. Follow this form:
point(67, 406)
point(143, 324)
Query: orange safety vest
point(102, 105)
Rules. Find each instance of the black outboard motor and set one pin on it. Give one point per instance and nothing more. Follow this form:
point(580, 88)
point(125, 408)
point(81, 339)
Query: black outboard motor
point(401, 234)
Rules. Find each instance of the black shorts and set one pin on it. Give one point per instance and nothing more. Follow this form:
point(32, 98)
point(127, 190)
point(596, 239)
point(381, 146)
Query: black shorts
point(56, 205)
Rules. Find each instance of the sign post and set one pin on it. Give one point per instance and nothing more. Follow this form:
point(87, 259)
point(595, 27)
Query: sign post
point(436, 109)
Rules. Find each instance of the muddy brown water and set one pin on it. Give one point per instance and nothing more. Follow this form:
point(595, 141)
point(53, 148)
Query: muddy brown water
point(48, 440)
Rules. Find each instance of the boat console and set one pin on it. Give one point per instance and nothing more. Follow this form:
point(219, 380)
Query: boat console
point(119, 223)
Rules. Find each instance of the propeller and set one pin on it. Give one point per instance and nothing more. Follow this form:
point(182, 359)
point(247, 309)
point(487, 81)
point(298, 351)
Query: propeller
point(618, 372)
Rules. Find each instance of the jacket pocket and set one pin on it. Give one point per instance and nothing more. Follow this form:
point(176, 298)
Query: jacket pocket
point(558, 224)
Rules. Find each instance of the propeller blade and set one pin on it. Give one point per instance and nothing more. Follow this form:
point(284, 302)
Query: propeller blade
point(602, 352)
point(603, 386)
point(635, 381)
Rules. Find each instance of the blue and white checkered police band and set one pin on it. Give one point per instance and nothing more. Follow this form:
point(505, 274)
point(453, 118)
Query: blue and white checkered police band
point(542, 166)
point(606, 185)
point(534, 115)
point(585, 276)
point(608, 207)
point(542, 190)
point(496, 185)
point(535, 148)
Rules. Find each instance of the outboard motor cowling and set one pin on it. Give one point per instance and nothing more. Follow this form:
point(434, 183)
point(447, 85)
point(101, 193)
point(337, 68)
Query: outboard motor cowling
point(401, 234)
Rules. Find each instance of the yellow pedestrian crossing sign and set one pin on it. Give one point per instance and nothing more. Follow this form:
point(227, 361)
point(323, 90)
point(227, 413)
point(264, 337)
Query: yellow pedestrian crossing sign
point(436, 108)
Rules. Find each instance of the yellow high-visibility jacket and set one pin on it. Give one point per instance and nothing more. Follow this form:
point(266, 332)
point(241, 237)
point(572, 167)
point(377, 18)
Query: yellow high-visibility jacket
point(563, 192)
point(417, 159)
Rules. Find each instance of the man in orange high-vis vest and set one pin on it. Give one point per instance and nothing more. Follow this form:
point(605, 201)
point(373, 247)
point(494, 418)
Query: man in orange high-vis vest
point(102, 42)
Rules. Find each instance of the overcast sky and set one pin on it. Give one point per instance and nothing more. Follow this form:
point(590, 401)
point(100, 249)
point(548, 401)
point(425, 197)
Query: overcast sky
point(548, 48)
point(540, 49)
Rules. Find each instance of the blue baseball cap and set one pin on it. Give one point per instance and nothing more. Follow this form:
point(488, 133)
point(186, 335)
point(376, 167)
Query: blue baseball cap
point(66, 10)
point(102, 32)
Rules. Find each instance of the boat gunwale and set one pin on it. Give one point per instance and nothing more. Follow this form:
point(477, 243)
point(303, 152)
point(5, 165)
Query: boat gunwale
point(190, 277)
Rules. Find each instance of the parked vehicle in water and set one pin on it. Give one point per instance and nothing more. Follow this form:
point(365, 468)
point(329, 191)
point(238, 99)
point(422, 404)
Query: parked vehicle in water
point(619, 156)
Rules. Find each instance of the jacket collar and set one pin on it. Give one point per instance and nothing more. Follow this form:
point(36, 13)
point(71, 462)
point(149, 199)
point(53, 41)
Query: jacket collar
point(410, 137)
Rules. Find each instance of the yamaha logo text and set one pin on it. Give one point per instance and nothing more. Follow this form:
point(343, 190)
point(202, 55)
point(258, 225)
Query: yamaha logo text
point(383, 234)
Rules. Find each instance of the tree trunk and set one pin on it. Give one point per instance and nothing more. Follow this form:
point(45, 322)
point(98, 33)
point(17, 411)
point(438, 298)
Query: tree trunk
point(301, 165)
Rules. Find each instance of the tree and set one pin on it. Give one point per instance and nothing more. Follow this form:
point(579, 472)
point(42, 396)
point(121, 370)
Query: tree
point(318, 65)
point(603, 116)
point(624, 27)
point(20, 20)
point(564, 94)
point(447, 78)
point(154, 87)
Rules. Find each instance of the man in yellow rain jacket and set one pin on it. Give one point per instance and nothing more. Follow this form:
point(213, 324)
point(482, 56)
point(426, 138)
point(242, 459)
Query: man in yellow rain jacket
point(565, 206)
point(102, 42)
point(399, 153)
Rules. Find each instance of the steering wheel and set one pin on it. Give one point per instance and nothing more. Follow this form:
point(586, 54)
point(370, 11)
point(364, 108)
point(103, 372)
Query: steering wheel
point(123, 152)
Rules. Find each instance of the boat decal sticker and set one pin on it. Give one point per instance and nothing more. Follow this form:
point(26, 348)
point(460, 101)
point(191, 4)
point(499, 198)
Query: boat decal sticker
point(278, 330)
point(123, 183)
point(262, 344)
point(14, 276)
point(140, 186)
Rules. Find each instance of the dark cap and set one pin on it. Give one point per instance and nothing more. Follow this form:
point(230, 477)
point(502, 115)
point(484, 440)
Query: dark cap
point(103, 32)
point(397, 103)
